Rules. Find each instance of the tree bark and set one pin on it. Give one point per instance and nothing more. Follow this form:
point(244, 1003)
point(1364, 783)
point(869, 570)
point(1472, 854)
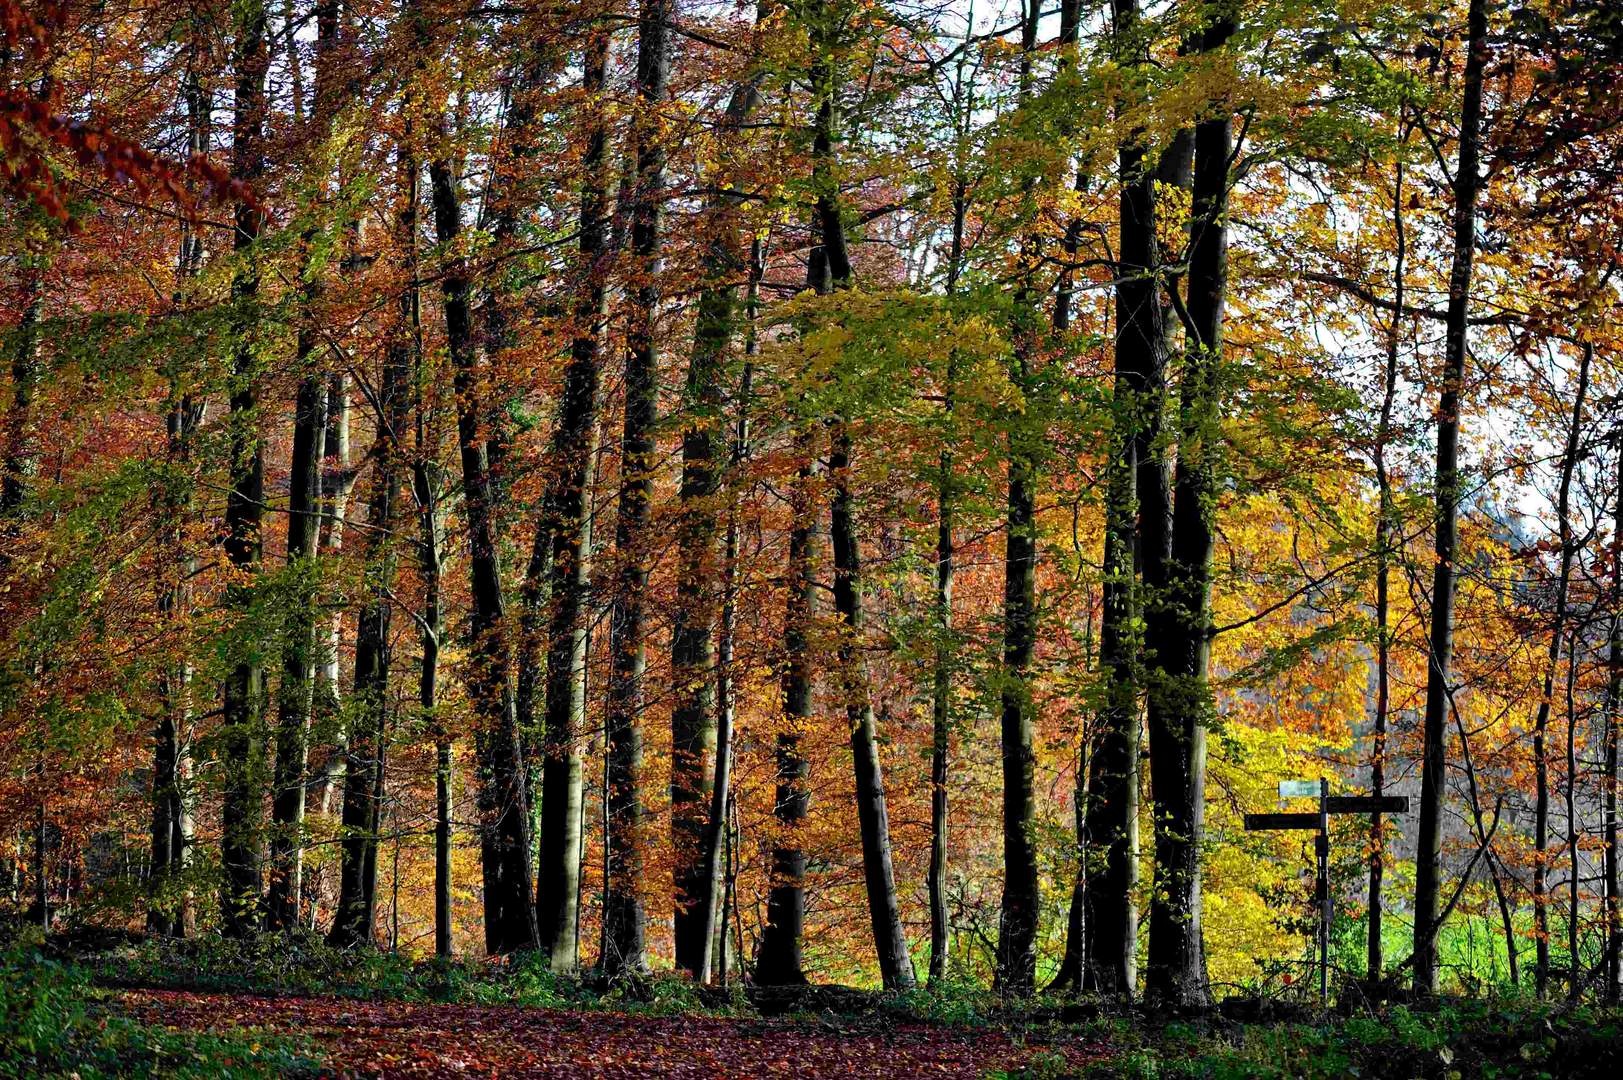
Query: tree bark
point(242, 747)
point(568, 510)
point(945, 552)
point(1136, 484)
point(1612, 719)
point(695, 761)
point(1552, 660)
point(780, 962)
point(626, 916)
point(1019, 912)
point(1433, 776)
point(296, 694)
point(367, 749)
point(1375, 963)
point(171, 819)
point(1178, 621)
point(504, 820)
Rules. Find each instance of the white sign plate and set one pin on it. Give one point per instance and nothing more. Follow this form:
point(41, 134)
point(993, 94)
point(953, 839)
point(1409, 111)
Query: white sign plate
point(1298, 789)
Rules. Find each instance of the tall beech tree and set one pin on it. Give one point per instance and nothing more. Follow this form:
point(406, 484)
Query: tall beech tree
point(1552, 659)
point(172, 817)
point(625, 916)
point(1178, 627)
point(1466, 188)
point(567, 508)
point(1135, 485)
point(296, 693)
point(1020, 912)
point(697, 768)
point(242, 745)
point(504, 817)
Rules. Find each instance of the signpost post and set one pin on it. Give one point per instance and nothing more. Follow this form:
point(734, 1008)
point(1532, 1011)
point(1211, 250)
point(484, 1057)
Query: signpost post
point(1320, 822)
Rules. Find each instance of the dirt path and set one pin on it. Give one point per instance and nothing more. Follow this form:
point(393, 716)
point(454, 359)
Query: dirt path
point(389, 1039)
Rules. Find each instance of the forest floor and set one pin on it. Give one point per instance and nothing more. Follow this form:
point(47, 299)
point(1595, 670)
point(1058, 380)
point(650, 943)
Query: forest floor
point(276, 1006)
point(395, 1039)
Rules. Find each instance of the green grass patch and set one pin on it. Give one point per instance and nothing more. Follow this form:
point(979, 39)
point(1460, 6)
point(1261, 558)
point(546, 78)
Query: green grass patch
point(55, 1023)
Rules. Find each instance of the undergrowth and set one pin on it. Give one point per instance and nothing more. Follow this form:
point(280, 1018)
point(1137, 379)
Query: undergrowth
point(53, 1023)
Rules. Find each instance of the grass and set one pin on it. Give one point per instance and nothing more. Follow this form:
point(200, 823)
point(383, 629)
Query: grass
point(304, 965)
point(53, 1023)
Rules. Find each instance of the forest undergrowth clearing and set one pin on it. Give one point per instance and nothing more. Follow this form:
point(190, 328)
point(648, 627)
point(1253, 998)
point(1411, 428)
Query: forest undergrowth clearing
point(394, 1039)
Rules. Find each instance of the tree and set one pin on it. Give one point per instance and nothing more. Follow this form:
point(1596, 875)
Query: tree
point(242, 743)
point(1466, 186)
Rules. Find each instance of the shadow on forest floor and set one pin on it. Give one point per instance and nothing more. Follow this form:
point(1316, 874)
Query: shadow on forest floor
point(274, 1006)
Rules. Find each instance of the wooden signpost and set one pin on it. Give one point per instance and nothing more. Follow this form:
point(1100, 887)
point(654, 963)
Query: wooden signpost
point(1320, 821)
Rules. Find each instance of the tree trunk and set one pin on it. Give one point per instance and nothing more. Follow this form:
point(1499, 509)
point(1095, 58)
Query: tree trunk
point(242, 748)
point(1136, 480)
point(884, 908)
point(695, 760)
point(1552, 660)
point(626, 917)
point(367, 750)
point(941, 681)
point(296, 694)
point(779, 961)
point(1178, 623)
point(1433, 776)
point(716, 850)
point(504, 825)
point(1020, 912)
point(1611, 717)
point(428, 694)
point(171, 829)
point(567, 508)
point(1375, 963)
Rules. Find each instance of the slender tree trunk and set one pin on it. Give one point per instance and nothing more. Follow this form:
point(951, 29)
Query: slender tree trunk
point(171, 832)
point(717, 849)
point(367, 748)
point(1019, 912)
point(884, 908)
point(1611, 717)
point(779, 961)
point(1574, 853)
point(626, 920)
point(242, 747)
point(1552, 660)
point(1433, 776)
point(1384, 523)
point(941, 682)
point(567, 507)
point(1136, 485)
point(696, 764)
point(296, 694)
point(428, 694)
point(504, 819)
